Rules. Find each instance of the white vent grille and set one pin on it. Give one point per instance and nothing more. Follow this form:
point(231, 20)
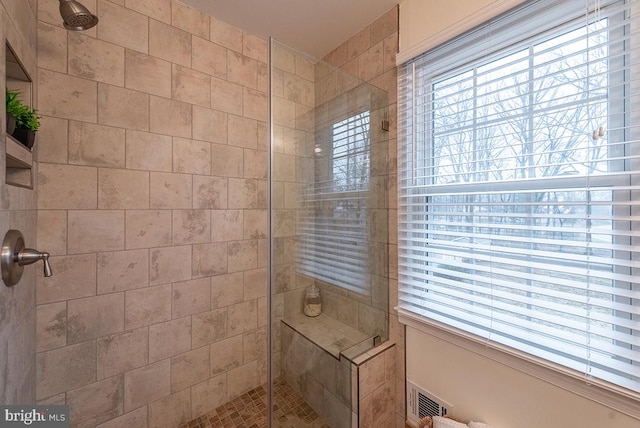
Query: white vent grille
point(421, 403)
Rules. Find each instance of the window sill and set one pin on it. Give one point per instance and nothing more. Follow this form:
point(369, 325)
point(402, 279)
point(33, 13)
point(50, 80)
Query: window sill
point(619, 399)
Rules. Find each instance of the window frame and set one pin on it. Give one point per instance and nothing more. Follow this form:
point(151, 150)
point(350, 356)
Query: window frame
point(618, 398)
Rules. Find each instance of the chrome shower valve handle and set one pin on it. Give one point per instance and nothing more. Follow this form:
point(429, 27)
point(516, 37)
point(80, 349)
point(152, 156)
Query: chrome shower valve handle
point(15, 256)
point(28, 256)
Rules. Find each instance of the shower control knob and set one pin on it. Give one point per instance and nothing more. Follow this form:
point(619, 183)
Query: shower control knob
point(15, 256)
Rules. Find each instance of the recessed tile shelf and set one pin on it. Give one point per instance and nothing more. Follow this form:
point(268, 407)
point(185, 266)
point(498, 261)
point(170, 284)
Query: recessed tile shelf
point(19, 159)
point(19, 163)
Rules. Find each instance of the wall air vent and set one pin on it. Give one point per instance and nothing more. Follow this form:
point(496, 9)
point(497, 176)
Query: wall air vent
point(421, 403)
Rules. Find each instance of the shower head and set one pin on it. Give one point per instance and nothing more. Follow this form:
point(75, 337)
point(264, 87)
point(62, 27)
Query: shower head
point(76, 17)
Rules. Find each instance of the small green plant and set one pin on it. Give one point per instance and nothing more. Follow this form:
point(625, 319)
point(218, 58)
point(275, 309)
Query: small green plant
point(26, 117)
point(14, 105)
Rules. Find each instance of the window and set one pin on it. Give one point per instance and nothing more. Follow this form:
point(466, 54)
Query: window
point(519, 188)
point(333, 226)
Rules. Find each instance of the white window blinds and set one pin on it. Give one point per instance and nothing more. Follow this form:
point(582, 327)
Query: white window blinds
point(519, 186)
point(333, 222)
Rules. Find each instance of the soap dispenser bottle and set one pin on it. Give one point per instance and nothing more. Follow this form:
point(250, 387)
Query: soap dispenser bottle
point(312, 303)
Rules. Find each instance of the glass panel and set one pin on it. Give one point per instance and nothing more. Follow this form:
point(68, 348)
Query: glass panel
point(329, 234)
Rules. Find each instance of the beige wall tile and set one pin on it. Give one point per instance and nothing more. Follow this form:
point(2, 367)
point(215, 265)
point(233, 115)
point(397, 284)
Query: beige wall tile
point(242, 70)
point(384, 26)
point(122, 270)
point(209, 125)
point(170, 117)
point(242, 317)
point(305, 68)
point(190, 86)
point(122, 352)
point(226, 355)
point(147, 74)
point(227, 290)
point(169, 43)
point(148, 228)
point(209, 327)
point(122, 189)
point(243, 255)
point(67, 97)
point(242, 132)
point(209, 192)
point(123, 27)
point(255, 164)
point(93, 231)
point(170, 191)
point(123, 108)
point(255, 284)
point(51, 326)
point(242, 379)
point(255, 104)
point(189, 368)
point(255, 224)
point(191, 226)
point(96, 145)
point(52, 47)
point(189, 19)
point(55, 132)
point(190, 297)
point(52, 231)
point(147, 384)
point(209, 259)
point(95, 60)
point(67, 187)
point(135, 419)
point(208, 395)
point(371, 62)
point(146, 306)
point(94, 317)
point(263, 78)
point(359, 43)
point(226, 96)
point(255, 346)
point(96, 403)
point(225, 35)
point(243, 194)
point(227, 161)
point(156, 9)
point(171, 264)
point(283, 57)
point(255, 47)
point(227, 225)
point(191, 156)
point(151, 152)
point(171, 411)
point(65, 369)
point(74, 278)
point(390, 49)
point(209, 57)
point(169, 339)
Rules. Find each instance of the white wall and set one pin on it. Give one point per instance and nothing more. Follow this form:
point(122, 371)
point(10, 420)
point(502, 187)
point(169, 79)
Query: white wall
point(481, 389)
point(425, 24)
point(477, 387)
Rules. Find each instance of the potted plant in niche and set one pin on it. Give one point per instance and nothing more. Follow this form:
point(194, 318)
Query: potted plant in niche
point(14, 108)
point(27, 120)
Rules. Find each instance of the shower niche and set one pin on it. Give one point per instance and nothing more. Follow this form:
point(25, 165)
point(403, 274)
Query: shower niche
point(18, 158)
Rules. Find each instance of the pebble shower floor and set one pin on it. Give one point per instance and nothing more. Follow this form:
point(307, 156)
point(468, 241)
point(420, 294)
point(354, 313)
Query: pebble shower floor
point(250, 411)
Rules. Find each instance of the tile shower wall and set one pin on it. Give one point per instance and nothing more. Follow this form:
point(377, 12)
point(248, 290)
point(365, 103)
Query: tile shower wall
point(152, 201)
point(18, 211)
point(370, 55)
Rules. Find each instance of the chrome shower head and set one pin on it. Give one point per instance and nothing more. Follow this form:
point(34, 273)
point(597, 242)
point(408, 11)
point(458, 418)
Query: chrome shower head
point(76, 17)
